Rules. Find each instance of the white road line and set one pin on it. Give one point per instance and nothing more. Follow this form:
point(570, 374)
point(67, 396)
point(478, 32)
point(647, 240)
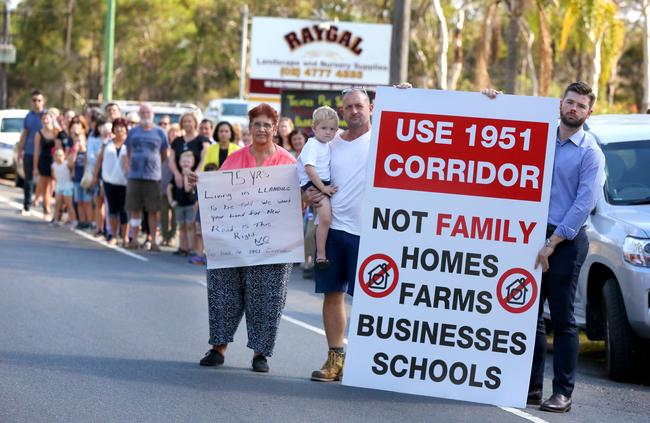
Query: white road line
point(112, 247)
point(523, 415)
point(40, 215)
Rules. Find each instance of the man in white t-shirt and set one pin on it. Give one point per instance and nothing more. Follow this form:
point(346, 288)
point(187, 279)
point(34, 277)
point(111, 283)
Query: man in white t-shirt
point(349, 154)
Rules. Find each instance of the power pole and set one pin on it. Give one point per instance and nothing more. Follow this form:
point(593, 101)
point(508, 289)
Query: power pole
point(399, 48)
point(244, 42)
point(109, 39)
point(67, 49)
point(6, 40)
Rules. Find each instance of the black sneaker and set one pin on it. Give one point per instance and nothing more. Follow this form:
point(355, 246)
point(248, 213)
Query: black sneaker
point(212, 358)
point(260, 364)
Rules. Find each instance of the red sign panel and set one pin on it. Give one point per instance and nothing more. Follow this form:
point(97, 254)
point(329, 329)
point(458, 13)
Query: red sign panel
point(461, 155)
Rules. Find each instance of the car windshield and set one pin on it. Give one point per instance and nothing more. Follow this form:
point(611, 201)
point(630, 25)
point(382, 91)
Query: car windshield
point(12, 125)
point(234, 109)
point(628, 173)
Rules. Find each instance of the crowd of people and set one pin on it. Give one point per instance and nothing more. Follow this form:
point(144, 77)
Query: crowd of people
point(74, 153)
point(124, 177)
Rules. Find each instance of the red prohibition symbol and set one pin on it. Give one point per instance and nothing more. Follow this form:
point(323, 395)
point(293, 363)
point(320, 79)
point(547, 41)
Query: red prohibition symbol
point(378, 275)
point(517, 290)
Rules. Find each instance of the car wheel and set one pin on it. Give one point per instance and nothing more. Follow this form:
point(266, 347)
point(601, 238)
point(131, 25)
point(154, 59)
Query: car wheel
point(622, 346)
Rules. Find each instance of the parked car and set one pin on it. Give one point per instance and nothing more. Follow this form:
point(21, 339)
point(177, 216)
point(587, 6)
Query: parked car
point(11, 125)
point(233, 110)
point(160, 109)
point(613, 296)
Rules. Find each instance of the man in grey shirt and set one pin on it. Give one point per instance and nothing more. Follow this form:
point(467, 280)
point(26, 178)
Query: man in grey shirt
point(147, 148)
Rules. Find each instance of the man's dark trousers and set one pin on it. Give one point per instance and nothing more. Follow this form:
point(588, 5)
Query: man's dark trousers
point(28, 183)
point(559, 287)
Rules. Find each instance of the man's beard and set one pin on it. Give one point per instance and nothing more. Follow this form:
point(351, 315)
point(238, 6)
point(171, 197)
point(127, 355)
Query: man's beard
point(571, 124)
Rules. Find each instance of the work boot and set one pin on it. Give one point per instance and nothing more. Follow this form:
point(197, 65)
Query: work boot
point(332, 369)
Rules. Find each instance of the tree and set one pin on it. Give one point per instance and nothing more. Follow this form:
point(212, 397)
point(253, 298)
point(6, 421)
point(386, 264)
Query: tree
point(516, 9)
point(443, 45)
point(645, 8)
point(594, 21)
point(545, 49)
point(481, 73)
point(457, 67)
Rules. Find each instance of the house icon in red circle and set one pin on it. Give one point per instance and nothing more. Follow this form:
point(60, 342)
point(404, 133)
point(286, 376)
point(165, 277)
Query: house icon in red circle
point(378, 277)
point(517, 292)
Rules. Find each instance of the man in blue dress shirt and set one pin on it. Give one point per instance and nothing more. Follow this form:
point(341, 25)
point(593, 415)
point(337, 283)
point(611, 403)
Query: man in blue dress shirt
point(576, 184)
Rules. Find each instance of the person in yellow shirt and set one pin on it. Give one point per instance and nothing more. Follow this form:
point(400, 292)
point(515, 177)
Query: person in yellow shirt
point(217, 153)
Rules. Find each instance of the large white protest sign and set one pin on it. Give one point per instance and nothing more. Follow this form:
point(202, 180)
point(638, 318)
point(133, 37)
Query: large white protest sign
point(251, 216)
point(446, 296)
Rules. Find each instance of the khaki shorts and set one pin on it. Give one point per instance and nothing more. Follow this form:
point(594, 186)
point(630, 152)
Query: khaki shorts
point(142, 194)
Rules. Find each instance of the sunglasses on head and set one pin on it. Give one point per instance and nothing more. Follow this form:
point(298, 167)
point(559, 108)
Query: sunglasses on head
point(353, 89)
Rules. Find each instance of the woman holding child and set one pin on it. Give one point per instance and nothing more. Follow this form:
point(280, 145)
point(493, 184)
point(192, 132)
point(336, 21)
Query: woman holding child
point(193, 145)
point(259, 291)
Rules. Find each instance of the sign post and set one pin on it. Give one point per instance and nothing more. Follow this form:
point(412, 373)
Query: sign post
point(7, 53)
point(457, 199)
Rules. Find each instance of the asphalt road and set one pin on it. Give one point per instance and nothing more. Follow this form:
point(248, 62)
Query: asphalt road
point(89, 334)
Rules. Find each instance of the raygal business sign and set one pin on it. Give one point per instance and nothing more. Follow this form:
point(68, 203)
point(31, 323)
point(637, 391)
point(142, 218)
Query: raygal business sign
point(294, 53)
point(324, 33)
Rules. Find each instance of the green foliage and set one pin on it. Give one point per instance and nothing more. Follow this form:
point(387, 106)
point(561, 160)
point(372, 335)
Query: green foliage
point(189, 50)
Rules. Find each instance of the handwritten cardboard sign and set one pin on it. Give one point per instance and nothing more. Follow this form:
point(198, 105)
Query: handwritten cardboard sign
point(251, 216)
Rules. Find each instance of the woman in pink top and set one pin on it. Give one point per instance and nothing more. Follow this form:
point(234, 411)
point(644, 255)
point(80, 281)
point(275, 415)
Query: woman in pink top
point(260, 291)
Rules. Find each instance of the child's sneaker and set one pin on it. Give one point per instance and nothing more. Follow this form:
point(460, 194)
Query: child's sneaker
point(199, 260)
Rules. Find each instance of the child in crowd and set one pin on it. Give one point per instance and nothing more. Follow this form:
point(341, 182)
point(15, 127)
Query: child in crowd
point(314, 170)
point(183, 200)
point(64, 188)
point(199, 254)
point(78, 161)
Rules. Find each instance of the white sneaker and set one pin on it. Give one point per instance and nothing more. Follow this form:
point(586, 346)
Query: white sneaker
point(72, 225)
point(24, 212)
